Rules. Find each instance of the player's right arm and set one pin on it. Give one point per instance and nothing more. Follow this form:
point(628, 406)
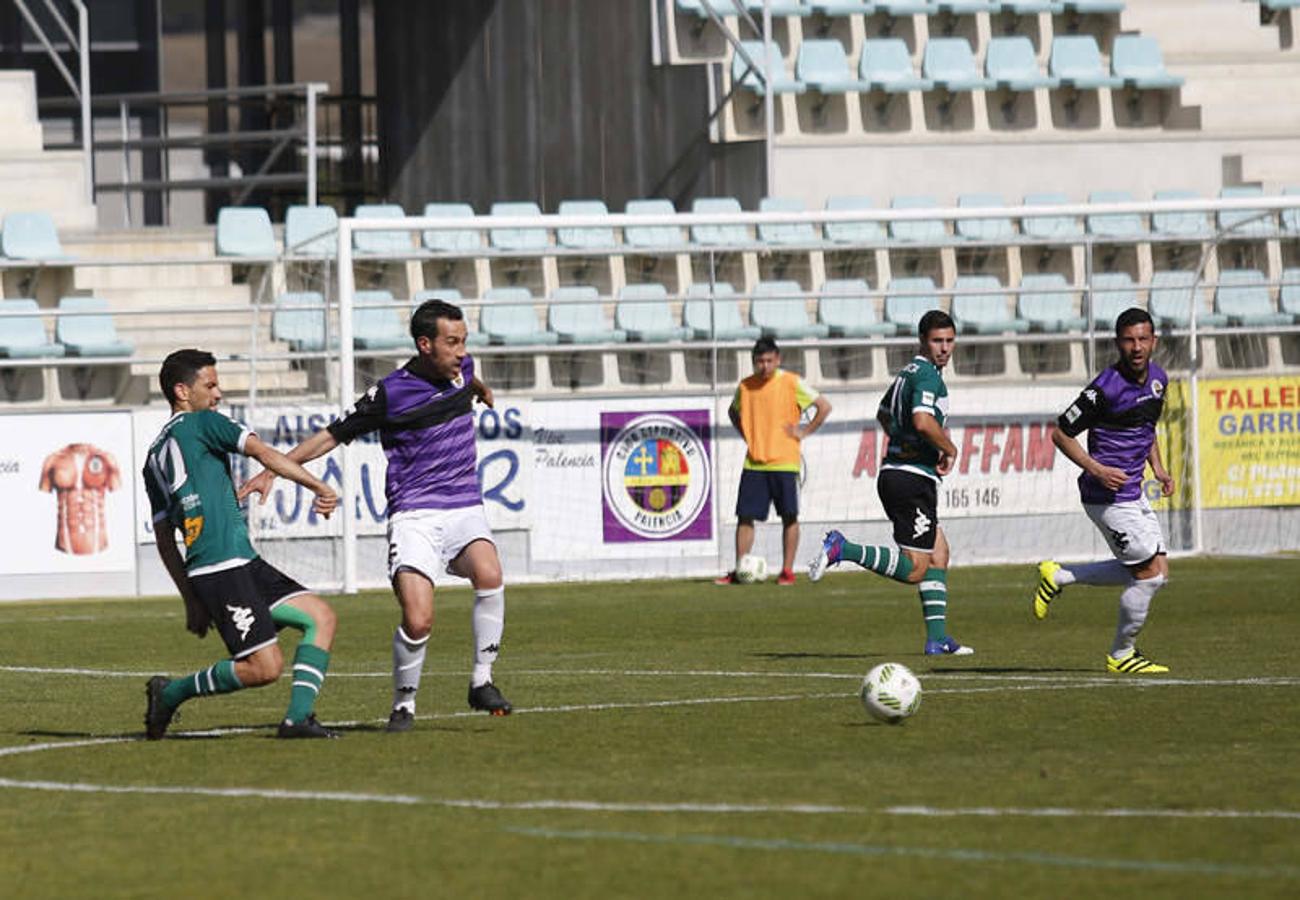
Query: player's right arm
point(927, 426)
point(1081, 415)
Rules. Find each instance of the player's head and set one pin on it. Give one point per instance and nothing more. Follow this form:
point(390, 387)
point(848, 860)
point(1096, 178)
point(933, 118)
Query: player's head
point(188, 379)
point(766, 356)
point(438, 328)
point(1135, 338)
point(938, 334)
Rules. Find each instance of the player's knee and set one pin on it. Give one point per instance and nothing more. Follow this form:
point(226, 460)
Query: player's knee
point(417, 623)
point(263, 667)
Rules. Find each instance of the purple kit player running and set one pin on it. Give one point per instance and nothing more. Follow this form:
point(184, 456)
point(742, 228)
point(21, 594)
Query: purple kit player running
point(423, 413)
point(1119, 410)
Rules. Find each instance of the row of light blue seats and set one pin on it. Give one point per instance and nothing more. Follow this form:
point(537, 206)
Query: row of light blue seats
point(23, 335)
point(30, 236)
point(949, 63)
point(832, 8)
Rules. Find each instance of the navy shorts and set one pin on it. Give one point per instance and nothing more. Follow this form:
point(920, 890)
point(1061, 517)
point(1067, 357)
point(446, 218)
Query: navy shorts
point(760, 491)
point(239, 601)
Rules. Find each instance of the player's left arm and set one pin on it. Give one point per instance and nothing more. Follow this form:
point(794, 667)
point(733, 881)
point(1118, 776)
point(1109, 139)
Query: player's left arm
point(482, 392)
point(275, 461)
point(1158, 469)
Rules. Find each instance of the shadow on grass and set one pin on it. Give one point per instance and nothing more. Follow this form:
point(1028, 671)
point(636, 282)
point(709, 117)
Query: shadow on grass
point(797, 654)
point(1010, 670)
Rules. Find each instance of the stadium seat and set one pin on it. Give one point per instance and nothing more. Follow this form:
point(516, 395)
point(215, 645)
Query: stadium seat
point(1288, 298)
point(1112, 293)
point(853, 232)
point(907, 299)
point(715, 314)
point(1011, 64)
point(796, 233)
point(245, 231)
point(921, 230)
point(584, 238)
point(823, 66)
point(833, 8)
point(301, 329)
point(1076, 61)
point(1029, 7)
point(508, 317)
point(375, 327)
point(719, 235)
point(460, 240)
point(1045, 302)
point(778, 309)
point(1172, 293)
point(311, 231)
point(517, 239)
point(999, 229)
point(30, 235)
point(1049, 226)
point(1121, 225)
point(979, 306)
point(696, 8)
point(652, 236)
point(643, 312)
point(962, 7)
point(1279, 5)
point(1245, 222)
point(886, 65)
point(1178, 223)
point(778, 7)
point(385, 242)
point(577, 317)
point(950, 64)
point(845, 307)
point(1136, 59)
point(743, 76)
point(1243, 296)
point(895, 8)
point(89, 335)
point(1291, 217)
point(22, 333)
point(476, 337)
point(1084, 7)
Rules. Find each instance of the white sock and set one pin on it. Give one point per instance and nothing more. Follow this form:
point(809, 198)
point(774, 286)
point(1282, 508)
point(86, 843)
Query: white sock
point(1133, 605)
point(1111, 571)
point(408, 661)
point(489, 623)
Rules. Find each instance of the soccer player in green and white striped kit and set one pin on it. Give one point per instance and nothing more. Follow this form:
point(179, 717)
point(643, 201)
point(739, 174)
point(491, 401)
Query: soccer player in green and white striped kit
point(221, 578)
point(912, 412)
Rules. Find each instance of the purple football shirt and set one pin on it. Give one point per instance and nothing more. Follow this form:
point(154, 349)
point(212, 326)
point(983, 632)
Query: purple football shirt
point(1120, 417)
point(426, 428)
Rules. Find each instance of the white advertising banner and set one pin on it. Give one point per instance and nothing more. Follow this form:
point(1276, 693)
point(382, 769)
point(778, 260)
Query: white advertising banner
point(67, 487)
point(624, 479)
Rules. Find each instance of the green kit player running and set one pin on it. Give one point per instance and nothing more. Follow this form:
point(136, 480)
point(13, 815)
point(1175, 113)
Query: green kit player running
point(912, 413)
point(221, 578)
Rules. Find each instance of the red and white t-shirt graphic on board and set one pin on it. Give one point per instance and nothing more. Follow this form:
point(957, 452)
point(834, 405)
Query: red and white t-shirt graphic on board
point(79, 475)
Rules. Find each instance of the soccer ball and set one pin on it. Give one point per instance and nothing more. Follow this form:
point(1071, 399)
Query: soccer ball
point(891, 693)
point(751, 569)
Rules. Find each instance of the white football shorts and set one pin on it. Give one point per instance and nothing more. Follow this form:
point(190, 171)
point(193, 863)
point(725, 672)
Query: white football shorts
point(1130, 527)
point(427, 540)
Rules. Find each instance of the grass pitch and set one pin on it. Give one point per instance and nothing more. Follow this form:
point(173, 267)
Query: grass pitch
point(678, 740)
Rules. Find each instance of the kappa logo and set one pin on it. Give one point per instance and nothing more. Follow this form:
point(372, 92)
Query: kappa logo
point(1091, 395)
point(921, 525)
point(491, 648)
point(243, 618)
point(1119, 539)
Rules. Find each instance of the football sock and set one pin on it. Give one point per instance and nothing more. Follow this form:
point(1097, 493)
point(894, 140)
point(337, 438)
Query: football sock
point(489, 623)
point(1133, 605)
point(309, 666)
point(286, 616)
point(408, 660)
point(888, 561)
point(1110, 571)
point(934, 603)
point(216, 679)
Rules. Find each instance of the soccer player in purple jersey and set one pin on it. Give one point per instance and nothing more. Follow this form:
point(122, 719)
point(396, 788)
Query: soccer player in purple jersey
point(1119, 410)
point(423, 412)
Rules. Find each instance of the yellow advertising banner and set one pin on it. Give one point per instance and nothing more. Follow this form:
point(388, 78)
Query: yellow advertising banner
point(1249, 434)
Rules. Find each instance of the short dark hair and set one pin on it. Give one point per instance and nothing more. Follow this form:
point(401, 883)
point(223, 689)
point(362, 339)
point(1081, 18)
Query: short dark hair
point(182, 367)
point(424, 321)
point(1132, 316)
point(932, 321)
point(764, 345)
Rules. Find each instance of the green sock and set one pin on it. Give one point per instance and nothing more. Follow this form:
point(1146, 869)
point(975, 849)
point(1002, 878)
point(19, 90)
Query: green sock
point(934, 603)
point(309, 665)
point(888, 561)
point(216, 679)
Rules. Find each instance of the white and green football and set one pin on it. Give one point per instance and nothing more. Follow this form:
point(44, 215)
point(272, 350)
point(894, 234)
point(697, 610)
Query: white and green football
point(891, 693)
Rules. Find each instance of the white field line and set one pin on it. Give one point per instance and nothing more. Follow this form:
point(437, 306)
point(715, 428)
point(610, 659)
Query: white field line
point(737, 842)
